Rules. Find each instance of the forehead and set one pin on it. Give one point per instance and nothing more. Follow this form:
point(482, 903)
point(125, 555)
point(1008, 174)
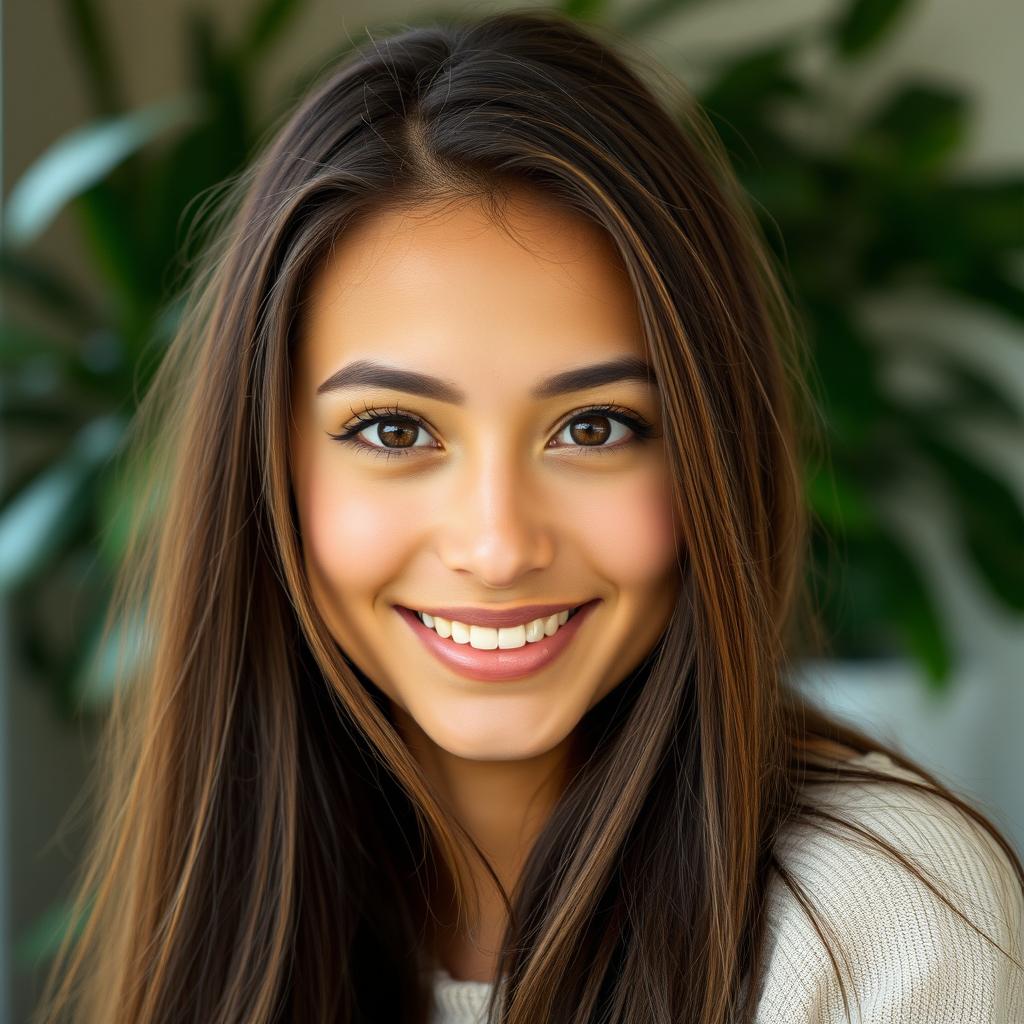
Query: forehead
point(445, 287)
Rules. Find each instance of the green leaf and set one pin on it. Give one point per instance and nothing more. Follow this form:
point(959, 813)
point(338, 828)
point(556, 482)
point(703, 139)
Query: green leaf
point(848, 594)
point(876, 603)
point(963, 235)
point(583, 10)
point(108, 661)
point(113, 236)
point(914, 133)
point(42, 939)
point(839, 501)
point(129, 497)
point(745, 85)
point(865, 23)
point(94, 48)
point(175, 192)
point(20, 344)
point(789, 192)
point(44, 285)
point(846, 368)
point(1000, 563)
point(40, 417)
point(69, 373)
point(990, 284)
point(906, 603)
point(974, 394)
point(264, 26)
point(218, 76)
point(910, 238)
point(35, 648)
point(35, 524)
point(990, 519)
point(37, 521)
point(988, 213)
point(641, 17)
point(80, 159)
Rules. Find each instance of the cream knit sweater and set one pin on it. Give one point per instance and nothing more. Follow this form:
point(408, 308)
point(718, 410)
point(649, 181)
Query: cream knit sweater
point(913, 961)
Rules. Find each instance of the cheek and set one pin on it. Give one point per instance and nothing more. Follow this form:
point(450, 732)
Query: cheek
point(356, 536)
point(636, 516)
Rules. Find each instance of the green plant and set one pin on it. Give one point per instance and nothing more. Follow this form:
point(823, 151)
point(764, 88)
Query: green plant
point(75, 365)
point(861, 210)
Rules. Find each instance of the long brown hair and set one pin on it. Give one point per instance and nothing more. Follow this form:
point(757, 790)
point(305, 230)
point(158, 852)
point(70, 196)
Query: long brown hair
point(266, 848)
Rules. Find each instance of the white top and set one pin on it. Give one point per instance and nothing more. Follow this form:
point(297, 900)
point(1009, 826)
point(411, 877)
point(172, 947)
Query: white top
point(913, 960)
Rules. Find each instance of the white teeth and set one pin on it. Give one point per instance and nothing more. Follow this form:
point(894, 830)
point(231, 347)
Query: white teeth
point(488, 638)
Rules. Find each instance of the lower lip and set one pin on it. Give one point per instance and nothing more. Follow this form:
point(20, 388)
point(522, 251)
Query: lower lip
point(499, 664)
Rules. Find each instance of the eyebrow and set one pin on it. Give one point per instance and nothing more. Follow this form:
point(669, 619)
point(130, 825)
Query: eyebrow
point(365, 373)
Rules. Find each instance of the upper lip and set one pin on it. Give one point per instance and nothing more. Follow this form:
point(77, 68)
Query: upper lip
point(494, 617)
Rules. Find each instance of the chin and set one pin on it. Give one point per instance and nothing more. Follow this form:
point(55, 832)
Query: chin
point(502, 739)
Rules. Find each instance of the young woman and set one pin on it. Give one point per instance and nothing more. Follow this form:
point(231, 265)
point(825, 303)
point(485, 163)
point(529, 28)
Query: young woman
point(471, 583)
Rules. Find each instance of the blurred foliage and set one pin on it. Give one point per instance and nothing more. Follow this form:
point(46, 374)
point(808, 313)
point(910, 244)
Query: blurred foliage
point(871, 209)
point(74, 364)
point(863, 208)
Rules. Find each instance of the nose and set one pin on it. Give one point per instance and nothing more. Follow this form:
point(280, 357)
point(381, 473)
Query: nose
point(496, 526)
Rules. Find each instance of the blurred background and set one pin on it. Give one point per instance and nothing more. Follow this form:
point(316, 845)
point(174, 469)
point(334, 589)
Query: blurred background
point(882, 142)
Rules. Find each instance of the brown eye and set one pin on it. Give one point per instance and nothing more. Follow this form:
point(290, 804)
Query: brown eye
point(401, 436)
point(590, 430)
point(595, 430)
point(389, 432)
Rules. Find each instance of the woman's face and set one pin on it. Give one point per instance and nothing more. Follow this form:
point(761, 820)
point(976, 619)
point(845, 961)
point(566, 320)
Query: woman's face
point(481, 492)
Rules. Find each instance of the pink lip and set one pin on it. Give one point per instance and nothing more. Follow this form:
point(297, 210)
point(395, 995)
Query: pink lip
point(498, 664)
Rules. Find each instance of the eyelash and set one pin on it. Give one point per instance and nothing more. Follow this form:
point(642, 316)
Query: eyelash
point(369, 416)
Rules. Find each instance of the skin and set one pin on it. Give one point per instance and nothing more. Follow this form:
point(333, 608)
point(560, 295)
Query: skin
point(483, 510)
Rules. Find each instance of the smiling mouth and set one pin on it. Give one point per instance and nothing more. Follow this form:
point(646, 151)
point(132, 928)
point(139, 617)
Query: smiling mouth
point(492, 654)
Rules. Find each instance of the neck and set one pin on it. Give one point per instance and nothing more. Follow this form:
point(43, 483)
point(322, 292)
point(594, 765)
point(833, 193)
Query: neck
point(503, 805)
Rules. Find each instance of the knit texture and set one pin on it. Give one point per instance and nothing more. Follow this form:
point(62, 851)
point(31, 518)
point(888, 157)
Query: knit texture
point(906, 957)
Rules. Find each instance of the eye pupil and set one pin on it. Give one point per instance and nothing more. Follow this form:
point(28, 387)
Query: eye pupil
point(386, 429)
point(591, 435)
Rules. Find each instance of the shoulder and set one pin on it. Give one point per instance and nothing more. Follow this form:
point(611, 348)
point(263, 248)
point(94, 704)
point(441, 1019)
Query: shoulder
point(904, 955)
